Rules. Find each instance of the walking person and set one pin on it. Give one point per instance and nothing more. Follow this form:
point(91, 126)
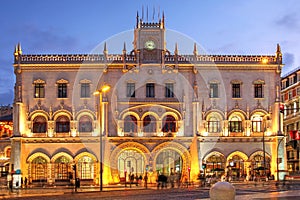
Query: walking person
point(146, 180)
point(25, 182)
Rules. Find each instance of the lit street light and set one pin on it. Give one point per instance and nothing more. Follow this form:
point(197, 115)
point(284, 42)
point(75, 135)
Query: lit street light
point(100, 92)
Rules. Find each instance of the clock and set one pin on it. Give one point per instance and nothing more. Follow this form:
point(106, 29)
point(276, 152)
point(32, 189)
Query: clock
point(150, 45)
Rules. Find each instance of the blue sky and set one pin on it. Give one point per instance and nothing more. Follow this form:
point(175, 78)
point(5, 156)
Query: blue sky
point(76, 26)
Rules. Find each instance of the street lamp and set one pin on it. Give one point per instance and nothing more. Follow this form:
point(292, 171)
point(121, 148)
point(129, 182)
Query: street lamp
point(100, 92)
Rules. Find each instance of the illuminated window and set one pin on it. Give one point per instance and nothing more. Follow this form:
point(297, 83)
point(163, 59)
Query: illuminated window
point(61, 168)
point(257, 125)
point(235, 124)
point(39, 169)
point(86, 168)
point(213, 125)
point(39, 90)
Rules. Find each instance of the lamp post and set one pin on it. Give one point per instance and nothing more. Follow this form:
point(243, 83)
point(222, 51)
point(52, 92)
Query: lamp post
point(100, 92)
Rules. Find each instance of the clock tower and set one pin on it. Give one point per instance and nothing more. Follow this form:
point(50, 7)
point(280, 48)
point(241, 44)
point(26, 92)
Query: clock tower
point(149, 40)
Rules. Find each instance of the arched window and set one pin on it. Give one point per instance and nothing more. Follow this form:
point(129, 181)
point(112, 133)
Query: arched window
point(130, 124)
point(86, 168)
point(131, 161)
point(213, 125)
point(169, 161)
point(39, 169)
point(257, 124)
point(169, 124)
point(62, 170)
point(149, 124)
point(257, 164)
point(216, 163)
point(235, 124)
point(62, 124)
point(237, 168)
point(85, 124)
point(39, 125)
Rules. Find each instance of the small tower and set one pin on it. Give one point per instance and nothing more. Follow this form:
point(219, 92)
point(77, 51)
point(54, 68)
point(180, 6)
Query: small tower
point(278, 54)
point(195, 49)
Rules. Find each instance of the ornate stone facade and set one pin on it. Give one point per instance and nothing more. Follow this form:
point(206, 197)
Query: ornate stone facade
point(165, 112)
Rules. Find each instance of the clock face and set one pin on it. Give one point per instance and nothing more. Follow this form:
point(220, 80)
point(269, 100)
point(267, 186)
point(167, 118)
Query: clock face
point(150, 45)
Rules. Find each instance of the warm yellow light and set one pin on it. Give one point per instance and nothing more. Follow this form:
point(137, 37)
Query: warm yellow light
point(104, 88)
point(265, 60)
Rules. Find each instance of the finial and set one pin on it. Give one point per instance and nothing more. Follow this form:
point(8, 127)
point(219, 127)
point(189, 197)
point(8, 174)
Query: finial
point(195, 49)
point(137, 19)
point(278, 55)
point(278, 48)
point(19, 49)
point(105, 49)
point(163, 19)
point(124, 48)
point(16, 50)
point(176, 49)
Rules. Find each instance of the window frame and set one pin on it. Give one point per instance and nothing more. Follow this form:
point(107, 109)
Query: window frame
point(169, 90)
point(130, 90)
point(85, 90)
point(236, 91)
point(39, 90)
point(62, 90)
point(150, 90)
point(258, 90)
point(213, 90)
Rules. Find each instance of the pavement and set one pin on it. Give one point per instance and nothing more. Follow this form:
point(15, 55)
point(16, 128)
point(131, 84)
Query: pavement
point(244, 191)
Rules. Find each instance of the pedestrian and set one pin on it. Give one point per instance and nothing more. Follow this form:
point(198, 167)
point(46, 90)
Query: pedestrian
point(22, 182)
point(25, 182)
point(146, 180)
point(10, 183)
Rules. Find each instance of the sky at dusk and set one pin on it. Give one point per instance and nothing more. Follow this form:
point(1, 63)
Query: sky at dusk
point(76, 26)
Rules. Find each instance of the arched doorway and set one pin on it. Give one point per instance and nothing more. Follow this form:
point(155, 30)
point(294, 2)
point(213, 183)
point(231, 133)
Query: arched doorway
point(257, 165)
point(62, 169)
point(86, 168)
point(236, 167)
point(168, 160)
point(38, 169)
point(130, 161)
point(216, 164)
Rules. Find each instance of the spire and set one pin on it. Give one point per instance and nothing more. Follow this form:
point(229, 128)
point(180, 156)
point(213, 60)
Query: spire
point(19, 49)
point(278, 49)
point(163, 20)
point(137, 19)
point(176, 49)
point(16, 50)
point(105, 52)
point(124, 48)
point(195, 49)
point(278, 54)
